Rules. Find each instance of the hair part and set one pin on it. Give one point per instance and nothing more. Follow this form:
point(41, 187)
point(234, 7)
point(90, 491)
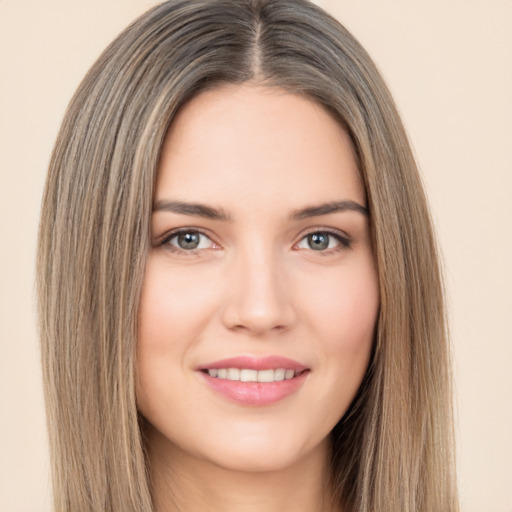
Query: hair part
point(393, 449)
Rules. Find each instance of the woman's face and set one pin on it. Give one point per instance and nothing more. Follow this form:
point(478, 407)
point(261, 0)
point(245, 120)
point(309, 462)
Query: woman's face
point(261, 269)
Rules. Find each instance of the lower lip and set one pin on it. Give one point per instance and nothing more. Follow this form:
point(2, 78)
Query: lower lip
point(255, 393)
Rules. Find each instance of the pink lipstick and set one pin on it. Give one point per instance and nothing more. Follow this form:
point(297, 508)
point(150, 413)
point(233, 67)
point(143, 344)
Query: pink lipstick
point(255, 381)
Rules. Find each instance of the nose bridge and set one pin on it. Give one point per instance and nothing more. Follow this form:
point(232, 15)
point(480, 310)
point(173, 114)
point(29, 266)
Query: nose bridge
point(259, 298)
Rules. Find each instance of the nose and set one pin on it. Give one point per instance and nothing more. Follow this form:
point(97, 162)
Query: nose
point(259, 298)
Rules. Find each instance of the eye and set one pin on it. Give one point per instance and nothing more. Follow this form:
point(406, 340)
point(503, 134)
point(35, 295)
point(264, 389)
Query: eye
point(188, 240)
point(324, 241)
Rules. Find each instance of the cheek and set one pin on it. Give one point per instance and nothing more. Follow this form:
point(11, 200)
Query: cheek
point(174, 305)
point(344, 319)
point(346, 313)
point(171, 317)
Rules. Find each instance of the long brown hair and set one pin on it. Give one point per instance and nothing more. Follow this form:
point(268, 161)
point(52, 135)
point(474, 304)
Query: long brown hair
point(393, 450)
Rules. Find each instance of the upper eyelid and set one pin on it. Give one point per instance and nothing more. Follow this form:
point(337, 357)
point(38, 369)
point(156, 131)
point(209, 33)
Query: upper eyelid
point(188, 229)
point(329, 231)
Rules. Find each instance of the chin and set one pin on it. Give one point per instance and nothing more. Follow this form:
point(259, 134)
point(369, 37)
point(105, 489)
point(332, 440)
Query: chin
point(262, 454)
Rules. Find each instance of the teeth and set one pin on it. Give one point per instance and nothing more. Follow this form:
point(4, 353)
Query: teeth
point(233, 374)
point(279, 374)
point(266, 376)
point(247, 375)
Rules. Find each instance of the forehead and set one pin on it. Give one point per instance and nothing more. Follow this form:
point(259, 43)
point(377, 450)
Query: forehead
point(248, 144)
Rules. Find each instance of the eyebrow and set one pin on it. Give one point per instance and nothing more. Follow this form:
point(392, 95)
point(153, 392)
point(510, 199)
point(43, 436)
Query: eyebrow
point(202, 210)
point(195, 209)
point(331, 207)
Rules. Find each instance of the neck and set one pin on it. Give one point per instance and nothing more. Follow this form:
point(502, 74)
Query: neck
point(184, 483)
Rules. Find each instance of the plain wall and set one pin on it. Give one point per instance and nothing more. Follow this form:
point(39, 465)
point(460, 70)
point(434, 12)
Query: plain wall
point(449, 66)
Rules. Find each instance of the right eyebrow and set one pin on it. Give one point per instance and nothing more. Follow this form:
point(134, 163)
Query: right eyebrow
point(194, 209)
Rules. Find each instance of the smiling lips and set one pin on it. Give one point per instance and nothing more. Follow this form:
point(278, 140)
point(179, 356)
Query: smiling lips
point(248, 375)
point(255, 381)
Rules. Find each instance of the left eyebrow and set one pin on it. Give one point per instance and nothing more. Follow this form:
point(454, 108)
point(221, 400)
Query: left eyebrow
point(331, 207)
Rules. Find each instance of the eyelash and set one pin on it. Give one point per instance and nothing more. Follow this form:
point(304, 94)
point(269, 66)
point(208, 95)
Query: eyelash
point(166, 241)
point(344, 242)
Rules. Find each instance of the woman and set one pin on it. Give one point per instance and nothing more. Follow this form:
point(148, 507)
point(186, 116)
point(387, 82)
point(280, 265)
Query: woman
point(240, 301)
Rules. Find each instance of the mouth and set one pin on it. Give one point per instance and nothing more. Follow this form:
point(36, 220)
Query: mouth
point(255, 381)
point(250, 375)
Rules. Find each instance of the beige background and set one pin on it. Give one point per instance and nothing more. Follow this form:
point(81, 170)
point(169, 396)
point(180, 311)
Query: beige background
point(449, 65)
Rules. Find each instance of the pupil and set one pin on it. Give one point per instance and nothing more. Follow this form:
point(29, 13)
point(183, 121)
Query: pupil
point(188, 240)
point(318, 241)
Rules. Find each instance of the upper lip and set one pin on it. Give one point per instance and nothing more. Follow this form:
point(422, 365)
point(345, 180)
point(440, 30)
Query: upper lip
point(256, 363)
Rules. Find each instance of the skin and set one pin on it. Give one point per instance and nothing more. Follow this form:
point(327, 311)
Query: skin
point(253, 287)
